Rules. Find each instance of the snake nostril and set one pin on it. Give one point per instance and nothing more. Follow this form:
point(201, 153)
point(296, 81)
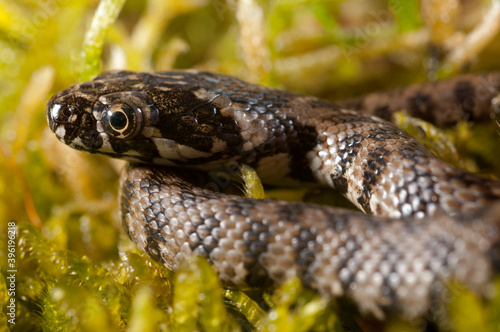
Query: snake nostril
point(59, 112)
point(59, 108)
point(66, 111)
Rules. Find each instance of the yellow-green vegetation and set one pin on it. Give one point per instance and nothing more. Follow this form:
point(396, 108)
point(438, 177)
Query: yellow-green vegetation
point(253, 186)
point(76, 270)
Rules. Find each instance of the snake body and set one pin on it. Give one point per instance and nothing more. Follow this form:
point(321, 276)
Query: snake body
point(427, 222)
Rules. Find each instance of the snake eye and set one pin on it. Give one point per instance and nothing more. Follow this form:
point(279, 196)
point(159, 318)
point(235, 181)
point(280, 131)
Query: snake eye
point(122, 121)
point(118, 120)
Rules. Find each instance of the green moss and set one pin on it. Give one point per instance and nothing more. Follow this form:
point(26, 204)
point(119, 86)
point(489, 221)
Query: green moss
point(406, 14)
point(294, 309)
point(68, 267)
point(253, 186)
point(432, 137)
point(77, 270)
point(145, 316)
point(468, 312)
point(105, 15)
point(197, 299)
point(73, 308)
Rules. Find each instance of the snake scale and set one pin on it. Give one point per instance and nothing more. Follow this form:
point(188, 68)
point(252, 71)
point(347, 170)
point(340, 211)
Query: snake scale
point(425, 222)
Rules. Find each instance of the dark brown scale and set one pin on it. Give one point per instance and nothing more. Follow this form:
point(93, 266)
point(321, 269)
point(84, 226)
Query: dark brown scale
point(435, 246)
point(434, 223)
point(444, 103)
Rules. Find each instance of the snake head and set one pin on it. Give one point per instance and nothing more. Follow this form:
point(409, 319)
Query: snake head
point(167, 118)
point(69, 114)
point(111, 115)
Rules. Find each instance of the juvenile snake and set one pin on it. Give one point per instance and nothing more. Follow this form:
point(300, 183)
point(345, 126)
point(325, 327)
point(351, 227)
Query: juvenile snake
point(427, 222)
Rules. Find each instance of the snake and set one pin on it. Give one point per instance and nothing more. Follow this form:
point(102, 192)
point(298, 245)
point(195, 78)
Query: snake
point(421, 224)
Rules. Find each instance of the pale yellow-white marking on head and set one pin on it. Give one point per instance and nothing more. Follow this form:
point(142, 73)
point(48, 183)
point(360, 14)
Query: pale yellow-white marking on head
point(147, 131)
point(201, 93)
point(134, 153)
point(78, 142)
point(97, 115)
point(99, 126)
point(207, 95)
point(106, 146)
point(60, 131)
point(137, 86)
point(176, 77)
point(218, 145)
point(54, 111)
point(181, 82)
point(191, 153)
point(167, 148)
point(146, 115)
point(163, 88)
point(156, 133)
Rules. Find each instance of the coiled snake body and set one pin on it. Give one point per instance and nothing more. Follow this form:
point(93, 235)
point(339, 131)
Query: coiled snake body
point(427, 222)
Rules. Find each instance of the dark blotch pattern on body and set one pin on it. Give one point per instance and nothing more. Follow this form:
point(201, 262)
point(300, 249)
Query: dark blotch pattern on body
point(435, 223)
point(340, 253)
point(444, 103)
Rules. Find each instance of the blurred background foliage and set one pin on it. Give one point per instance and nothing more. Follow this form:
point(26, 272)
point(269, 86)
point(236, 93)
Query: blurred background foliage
point(76, 268)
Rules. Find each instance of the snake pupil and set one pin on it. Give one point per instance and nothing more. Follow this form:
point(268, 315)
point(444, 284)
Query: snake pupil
point(118, 120)
point(122, 120)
